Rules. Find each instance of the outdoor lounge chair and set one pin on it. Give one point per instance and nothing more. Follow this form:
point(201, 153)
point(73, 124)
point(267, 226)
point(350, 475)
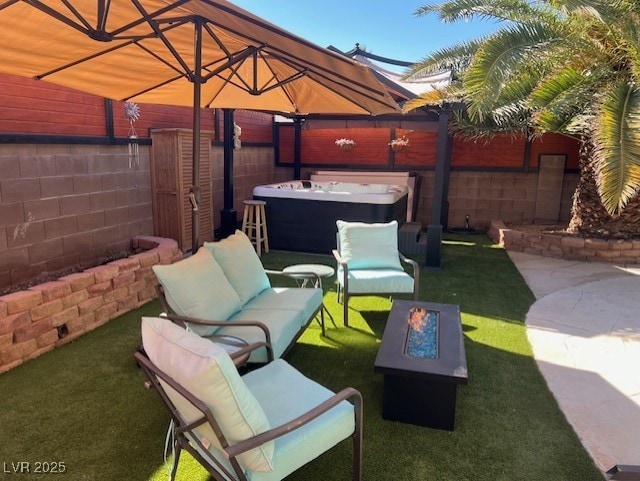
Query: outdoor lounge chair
point(369, 263)
point(258, 427)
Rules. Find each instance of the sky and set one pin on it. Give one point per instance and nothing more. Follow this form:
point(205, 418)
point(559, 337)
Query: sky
point(382, 27)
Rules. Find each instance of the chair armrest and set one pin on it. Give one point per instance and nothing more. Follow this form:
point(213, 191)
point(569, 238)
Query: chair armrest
point(416, 273)
point(298, 422)
point(250, 348)
point(338, 257)
point(181, 320)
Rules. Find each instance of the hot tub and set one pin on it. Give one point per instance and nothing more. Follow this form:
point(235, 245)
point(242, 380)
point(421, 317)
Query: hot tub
point(301, 214)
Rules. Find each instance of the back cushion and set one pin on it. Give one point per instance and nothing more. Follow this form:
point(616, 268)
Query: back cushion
point(369, 246)
point(197, 287)
point(241, 265)
point(205, 370)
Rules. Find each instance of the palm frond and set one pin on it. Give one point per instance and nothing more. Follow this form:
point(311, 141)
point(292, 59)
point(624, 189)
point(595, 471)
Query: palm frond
point(465, 127)
point(501, 10)
point(502, 54)
point(563, 97)
point(455, 58)
point(434, 97)
point(617, 146)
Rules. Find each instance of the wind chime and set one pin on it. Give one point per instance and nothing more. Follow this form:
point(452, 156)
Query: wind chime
point(132, 113)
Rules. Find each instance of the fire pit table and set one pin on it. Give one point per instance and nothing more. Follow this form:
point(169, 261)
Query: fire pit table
point(423, 360)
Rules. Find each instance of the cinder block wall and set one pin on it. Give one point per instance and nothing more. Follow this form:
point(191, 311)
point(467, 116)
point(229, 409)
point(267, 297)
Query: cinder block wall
point(484, 196)
point(251, 166)
point(51, 314)
point(67, 205)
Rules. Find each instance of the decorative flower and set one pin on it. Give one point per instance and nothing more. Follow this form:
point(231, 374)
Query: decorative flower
point(345, 144)
point(400, 143)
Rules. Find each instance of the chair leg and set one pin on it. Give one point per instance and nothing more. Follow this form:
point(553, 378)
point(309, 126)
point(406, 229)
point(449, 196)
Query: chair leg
point(345, 308)
point(265, 235)
point(258, 231)
point(357, 444)
point(176, 459)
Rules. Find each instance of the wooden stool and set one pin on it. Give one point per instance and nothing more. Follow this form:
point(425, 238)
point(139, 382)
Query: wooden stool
point(254, 224)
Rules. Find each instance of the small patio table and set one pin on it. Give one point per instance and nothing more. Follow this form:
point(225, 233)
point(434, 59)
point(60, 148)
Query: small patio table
point(298, 271)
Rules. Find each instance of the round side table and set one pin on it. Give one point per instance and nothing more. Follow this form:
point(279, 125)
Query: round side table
point(321, 270)
point(302, 278)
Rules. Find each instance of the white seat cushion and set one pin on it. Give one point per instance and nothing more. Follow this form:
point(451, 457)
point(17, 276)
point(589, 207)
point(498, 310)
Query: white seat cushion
point(285, 394)
point(283, 325)
point(364, 281)
point(307, 301)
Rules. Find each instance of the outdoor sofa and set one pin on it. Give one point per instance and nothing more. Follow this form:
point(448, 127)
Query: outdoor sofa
point(223, 290)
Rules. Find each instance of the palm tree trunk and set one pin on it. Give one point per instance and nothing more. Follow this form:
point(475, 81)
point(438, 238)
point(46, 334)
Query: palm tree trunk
point(589, 217)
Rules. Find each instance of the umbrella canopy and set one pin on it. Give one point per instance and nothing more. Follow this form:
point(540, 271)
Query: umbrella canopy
point(153, 51)
point(182, 52)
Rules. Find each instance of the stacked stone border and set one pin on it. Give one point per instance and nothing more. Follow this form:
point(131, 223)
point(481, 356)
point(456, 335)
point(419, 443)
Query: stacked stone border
point(43, 317)
point(565, 246)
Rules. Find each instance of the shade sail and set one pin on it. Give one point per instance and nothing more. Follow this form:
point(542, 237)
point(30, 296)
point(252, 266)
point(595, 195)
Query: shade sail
point(149, 51)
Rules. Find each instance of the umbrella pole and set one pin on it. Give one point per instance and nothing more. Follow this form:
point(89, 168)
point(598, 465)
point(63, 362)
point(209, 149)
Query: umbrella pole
point(195, 193)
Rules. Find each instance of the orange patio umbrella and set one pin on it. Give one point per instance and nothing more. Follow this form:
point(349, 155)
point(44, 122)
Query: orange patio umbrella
point(201, 53)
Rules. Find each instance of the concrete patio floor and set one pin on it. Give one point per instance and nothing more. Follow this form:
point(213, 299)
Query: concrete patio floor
point(584, 329)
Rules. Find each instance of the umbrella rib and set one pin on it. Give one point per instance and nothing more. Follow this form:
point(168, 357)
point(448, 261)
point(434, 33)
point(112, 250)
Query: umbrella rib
point(292, 37)
point(58, 16)
point(279, 83)
point(330, 82)
point(78, 15)
point(215, 38)
point(8, 4)
point(99, 54)
point(153, 24)
point(233, 60)
point(160, 59)
point(103, 13)
point(157, 13)
point(229, 63)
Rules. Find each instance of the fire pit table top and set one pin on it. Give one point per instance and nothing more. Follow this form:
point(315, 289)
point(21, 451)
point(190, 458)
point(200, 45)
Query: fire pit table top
point(449, 364)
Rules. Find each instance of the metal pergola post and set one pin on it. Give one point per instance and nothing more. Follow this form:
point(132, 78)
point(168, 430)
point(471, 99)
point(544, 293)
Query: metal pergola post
point(297, 147)
point(440, 206)
point(195, 193)
point(228, 218)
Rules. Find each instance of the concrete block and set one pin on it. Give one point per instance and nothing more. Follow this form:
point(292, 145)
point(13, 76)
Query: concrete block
point(46, 309)
point(21, 301)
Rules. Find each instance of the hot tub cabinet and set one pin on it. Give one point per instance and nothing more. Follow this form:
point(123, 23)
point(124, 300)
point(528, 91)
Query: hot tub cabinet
point(302, 215)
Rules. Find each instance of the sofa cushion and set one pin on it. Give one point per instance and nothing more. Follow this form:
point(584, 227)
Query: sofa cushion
point(307, 301)
point(372, 281)
point(283, 324)
point(205, 370)
point(298, 447)
point(197, 287)
point(369, 246)
point(240, 264)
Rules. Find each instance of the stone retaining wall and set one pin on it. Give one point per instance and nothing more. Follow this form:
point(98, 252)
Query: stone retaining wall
point(565, 246)
point(49, 315)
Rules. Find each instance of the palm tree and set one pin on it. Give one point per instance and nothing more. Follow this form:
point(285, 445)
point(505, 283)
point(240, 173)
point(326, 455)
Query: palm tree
point(565, 66)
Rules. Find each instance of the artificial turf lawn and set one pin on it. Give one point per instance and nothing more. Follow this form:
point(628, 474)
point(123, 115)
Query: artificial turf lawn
point(85, 405)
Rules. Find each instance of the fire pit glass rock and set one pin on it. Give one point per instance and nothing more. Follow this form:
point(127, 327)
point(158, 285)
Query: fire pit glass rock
point(422, 333)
